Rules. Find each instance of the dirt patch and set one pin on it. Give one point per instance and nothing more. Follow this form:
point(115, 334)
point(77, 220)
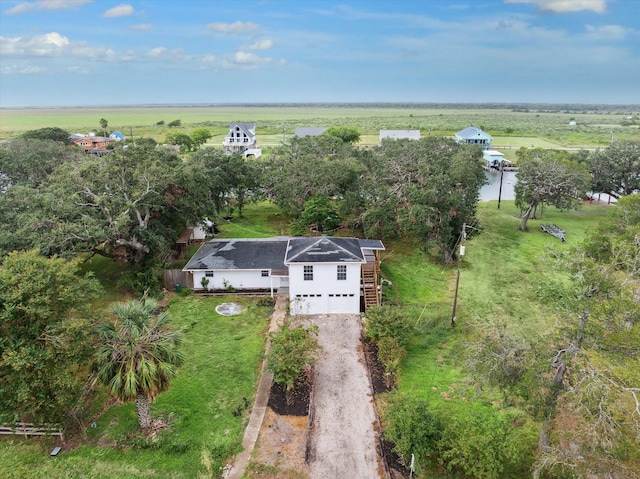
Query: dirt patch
point(280, 449)
point(377, 371)
point(297, 404)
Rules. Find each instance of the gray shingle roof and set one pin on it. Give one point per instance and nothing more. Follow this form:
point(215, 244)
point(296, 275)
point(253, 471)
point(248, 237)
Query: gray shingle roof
point(254, 254)
point(371, 244)
point(309, 131)
point(249, 129)
point(324, 250)
point(399, 134)
point(273, 253)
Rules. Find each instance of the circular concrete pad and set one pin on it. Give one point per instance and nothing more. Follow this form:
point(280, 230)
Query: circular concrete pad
point(229, 309)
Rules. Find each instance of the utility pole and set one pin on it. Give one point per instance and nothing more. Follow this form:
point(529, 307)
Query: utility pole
point(500, 190)
point(460, 255)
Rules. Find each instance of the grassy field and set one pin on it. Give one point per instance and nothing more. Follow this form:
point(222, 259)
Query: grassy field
point(505, 278)
point(521, 127)
point(221, 368)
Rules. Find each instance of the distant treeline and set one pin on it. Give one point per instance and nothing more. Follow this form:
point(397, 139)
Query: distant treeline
point(523, 107)
point(619, 109)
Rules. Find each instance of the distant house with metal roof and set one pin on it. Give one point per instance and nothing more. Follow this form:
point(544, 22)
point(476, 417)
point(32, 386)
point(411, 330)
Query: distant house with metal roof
point(320, 274)
point(117, 136)
point(241, 137)
point(472, 135)
point(398, 135)
point(303, 131)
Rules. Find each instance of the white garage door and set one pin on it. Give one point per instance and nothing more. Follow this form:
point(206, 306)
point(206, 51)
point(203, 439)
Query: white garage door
point(308, 304)
point(343, 303)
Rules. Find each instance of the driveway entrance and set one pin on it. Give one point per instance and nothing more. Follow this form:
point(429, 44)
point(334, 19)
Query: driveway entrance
point(343, 440)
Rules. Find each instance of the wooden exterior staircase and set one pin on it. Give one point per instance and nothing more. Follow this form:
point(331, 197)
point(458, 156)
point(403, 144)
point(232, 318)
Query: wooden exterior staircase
point(371, 288)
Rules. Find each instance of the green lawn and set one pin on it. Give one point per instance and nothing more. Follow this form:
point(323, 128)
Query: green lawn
point(221, 369)
point(258, 220)
point(505, 276)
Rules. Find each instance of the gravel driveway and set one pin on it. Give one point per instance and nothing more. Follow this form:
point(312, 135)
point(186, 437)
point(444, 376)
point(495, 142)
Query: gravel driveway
point(343, 440)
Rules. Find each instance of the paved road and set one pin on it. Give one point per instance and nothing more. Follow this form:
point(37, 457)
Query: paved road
point(343, 440)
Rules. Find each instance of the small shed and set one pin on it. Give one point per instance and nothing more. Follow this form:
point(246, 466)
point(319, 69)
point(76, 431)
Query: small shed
point(494, 159)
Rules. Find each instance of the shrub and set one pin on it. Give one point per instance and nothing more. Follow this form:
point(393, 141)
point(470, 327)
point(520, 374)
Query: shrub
point(293, 347)
point(390, 353)
point(387, 322)
point(412, 428)
point(485, 444)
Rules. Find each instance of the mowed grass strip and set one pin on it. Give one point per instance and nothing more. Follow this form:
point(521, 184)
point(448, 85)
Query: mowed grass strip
point(205, 406)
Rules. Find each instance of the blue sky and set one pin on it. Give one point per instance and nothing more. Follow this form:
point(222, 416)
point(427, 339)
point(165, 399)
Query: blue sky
point(101, 52)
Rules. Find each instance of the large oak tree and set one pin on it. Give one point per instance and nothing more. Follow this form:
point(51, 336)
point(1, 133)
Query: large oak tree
point(549, 177)
point(45, 339)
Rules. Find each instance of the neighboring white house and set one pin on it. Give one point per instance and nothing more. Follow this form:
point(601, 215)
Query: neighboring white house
point(302, 131)
point(474, 136)
point(398, 135)
point(320, 274)
point(241, 137)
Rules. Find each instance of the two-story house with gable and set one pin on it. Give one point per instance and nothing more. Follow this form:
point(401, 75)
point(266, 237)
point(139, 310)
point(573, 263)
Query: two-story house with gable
point(321, 275)
point(241, 137)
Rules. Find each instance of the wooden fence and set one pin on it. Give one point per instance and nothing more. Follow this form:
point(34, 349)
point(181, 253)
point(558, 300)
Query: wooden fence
point(177, 276)
point(28, 429)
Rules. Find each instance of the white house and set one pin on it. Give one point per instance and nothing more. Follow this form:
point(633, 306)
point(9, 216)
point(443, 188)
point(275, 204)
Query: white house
point(474, 136)
point(398, 135)
point(321, 275)
point(241, 137)
point(303, 131)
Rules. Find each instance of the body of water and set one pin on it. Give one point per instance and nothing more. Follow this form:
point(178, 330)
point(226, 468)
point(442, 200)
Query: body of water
point(491, 190)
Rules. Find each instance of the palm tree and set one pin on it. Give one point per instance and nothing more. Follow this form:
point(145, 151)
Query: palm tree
point(138, 354)
point(104, 124)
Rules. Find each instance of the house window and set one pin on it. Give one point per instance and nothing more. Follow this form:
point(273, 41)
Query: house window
point(342, 272)
point(264, 273)
point(308, 273)
point(209, 274)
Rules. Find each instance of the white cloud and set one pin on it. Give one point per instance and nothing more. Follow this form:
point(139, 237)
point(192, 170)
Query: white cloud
point(49, 45)
point(246, 60)
point(142, 27)
point(608, 32)
point(565, 6)
point(156, 52)
point(235, 28)
point(122, 10)
point(259, 45)
point(7, 69)
point(164, 54)
point(46, 5)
